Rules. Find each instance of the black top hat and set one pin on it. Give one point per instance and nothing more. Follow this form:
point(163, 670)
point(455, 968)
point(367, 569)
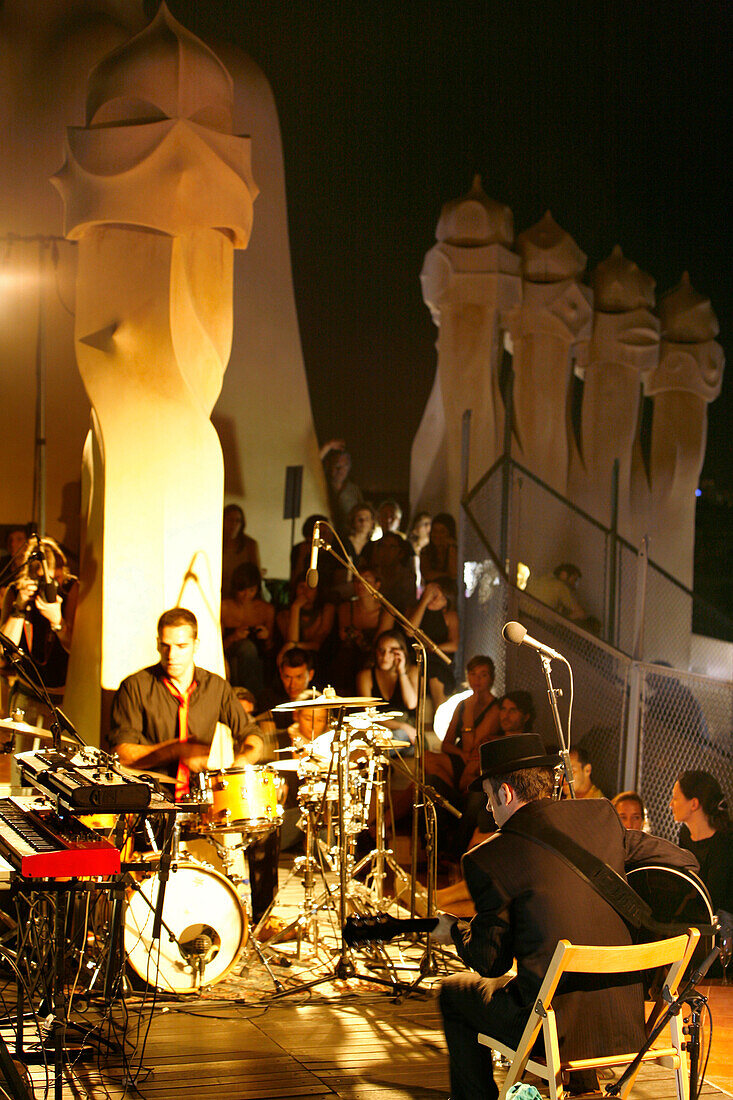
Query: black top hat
point(510, 753)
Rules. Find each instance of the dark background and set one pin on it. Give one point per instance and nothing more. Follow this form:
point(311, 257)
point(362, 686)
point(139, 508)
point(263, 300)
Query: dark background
point(615, 116)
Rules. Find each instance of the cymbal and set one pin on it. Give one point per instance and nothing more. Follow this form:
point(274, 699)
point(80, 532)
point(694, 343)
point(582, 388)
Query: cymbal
point(33, 731)
point(333, 701)
point(283, 765)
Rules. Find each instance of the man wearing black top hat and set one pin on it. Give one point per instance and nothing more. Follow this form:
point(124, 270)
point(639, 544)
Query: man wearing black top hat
point(527, 898)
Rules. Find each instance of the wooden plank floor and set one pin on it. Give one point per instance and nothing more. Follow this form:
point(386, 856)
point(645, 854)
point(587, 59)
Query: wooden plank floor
point(351, 1039)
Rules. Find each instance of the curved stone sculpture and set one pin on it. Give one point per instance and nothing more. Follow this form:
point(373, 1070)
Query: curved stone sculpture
point(547, 331)
point(623, 348)
point(469, 279)
point(157, 204)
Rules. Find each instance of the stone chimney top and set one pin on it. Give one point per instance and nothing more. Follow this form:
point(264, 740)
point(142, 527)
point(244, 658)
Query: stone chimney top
point(475, 220)
point(163, 72)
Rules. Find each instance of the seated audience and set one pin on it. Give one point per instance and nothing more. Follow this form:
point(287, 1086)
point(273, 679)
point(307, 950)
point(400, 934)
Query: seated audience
point(439, 558)
point(475, 720)
point(435, 615)
point(582, 769)
point(309, 620)
point(389, 517)
point(38, 611)
point(630, 808)
point(360, 620)
point(237, 547)
point(248, 628)
point(11, 559)
point(516, 712)
point(394, 679)
point(558, 591)
point(700, 808)
point(295, 668)
point(392, 559)
point(419, 537)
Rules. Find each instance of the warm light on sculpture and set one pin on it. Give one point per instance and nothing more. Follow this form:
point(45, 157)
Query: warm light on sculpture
point(158, 192)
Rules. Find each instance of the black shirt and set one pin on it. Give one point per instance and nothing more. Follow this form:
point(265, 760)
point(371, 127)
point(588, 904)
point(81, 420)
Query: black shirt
point(144, 712)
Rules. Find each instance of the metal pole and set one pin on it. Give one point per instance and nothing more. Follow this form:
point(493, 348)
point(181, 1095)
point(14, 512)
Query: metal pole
point(634, 718)
point(461, 588)
point(506, 471)
point(613, 563)
point(39, 465)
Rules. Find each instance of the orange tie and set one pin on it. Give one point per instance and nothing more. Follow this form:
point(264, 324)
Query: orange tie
point(183, 773)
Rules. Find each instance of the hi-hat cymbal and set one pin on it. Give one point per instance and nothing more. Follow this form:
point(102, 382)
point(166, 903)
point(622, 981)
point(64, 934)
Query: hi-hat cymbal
point(33, 731)
point(333, 701)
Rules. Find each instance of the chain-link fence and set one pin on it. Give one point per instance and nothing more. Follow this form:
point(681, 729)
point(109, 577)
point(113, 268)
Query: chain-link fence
point(642, 723)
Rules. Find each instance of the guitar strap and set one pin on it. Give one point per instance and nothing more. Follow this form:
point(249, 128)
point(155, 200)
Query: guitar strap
point(595, 873)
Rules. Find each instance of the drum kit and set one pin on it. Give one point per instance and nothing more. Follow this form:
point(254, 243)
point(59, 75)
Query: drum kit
point(206, 912)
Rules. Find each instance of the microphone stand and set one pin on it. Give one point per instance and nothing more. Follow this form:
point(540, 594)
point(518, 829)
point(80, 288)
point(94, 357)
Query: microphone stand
point(18, 658)
point(552, 694)
point(421, 643)
point(697, 1001)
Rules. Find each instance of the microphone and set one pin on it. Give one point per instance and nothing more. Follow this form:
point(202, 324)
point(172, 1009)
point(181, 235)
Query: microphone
point(517, 634)
point(47, 587)
point(311, 577)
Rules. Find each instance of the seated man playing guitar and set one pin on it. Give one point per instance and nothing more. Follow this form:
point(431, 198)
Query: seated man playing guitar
point(528, 895)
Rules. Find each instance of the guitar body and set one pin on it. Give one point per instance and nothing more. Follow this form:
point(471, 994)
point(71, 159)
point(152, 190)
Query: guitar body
point(675, 896)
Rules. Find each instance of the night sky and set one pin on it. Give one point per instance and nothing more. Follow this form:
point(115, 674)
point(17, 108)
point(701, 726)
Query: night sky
point(615, 116)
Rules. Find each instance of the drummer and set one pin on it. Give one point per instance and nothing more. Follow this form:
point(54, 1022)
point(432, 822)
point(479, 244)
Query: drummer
point(164, 716)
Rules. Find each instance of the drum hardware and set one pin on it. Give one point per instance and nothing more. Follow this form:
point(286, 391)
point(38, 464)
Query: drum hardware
point(329, 698)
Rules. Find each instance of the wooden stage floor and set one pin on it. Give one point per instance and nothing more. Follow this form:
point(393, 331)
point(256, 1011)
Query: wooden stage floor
point(240, 1040)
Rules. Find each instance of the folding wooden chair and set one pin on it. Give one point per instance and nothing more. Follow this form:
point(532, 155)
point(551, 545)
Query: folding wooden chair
point(570, 958)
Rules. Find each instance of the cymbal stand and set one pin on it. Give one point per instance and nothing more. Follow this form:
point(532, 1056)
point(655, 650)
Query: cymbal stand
point(381, 856)
point(421, 643)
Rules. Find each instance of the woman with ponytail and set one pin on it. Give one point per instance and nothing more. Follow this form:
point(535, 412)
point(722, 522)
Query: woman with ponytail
point(699, 806)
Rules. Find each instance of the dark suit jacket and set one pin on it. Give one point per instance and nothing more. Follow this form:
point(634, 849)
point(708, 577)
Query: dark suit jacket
point(527, 899)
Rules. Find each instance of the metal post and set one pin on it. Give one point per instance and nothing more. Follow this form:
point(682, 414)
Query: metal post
point(39, 464)
point(613, 562)
point(461, 554)
point(506, 471)
point(634, 716)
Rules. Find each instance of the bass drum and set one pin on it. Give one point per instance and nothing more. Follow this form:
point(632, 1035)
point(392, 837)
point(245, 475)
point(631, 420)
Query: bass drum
point(202, 910)
point(675, 896)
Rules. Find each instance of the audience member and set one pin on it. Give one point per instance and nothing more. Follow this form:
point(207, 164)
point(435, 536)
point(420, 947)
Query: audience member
point(38, 613)
point(248, 628)
point(343, 493)
point(631, 811)
point(700, 808)
point(392, 559)
point(516, 712)
point(439, 557)
point(475, 720)
point(295, 668)
point(582, 768)
point(389, 517)
point(419, 537)
point(558, 591)
point(309, 620)
point(435, 615)
point(394, 679)
point(360, 620)
point(237, 547)
point(11, 559)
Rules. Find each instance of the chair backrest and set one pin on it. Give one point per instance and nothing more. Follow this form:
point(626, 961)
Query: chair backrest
point(675, 952)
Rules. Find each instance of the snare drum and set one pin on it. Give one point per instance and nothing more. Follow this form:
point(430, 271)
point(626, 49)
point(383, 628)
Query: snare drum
point(242, 800)
point(202, 910)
